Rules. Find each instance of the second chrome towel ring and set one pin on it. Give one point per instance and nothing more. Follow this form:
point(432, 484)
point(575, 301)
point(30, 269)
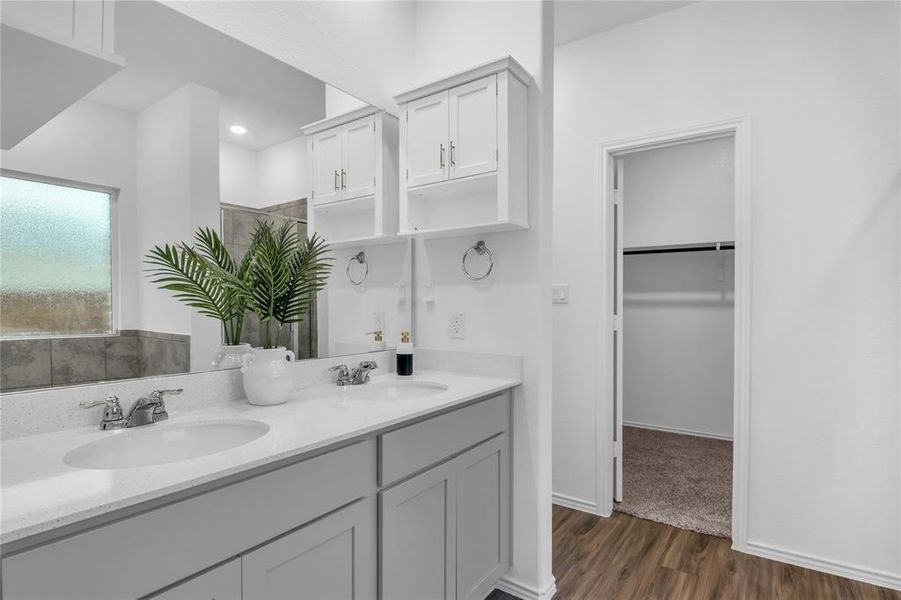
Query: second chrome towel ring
point(481, 249)
point(359, 257)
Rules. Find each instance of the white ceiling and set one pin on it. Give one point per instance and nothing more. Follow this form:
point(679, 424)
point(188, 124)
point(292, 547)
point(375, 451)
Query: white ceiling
point(580, 18)
point(164, 49)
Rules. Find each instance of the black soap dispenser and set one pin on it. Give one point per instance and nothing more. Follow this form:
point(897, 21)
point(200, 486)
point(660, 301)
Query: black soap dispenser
point(405, 355)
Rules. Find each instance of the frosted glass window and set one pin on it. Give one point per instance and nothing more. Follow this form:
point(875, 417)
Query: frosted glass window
point(55, 260)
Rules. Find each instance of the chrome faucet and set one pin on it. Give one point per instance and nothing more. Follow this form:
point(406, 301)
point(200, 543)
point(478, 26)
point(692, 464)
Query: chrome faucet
point(361, 373)
point(145, 411)
point(358, 376)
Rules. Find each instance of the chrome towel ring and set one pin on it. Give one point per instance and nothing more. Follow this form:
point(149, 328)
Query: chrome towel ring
point(359, 257)
point(481, 249)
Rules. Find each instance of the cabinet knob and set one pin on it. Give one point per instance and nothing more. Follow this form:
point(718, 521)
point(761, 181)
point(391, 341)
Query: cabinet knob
point(336, 179)
point(441, 155)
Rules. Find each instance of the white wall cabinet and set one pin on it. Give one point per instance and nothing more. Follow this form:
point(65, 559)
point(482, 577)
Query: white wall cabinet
point(463, 152)
point(353, 162)
point(473, 128)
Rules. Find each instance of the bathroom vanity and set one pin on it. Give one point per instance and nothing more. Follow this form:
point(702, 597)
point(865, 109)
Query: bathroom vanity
point(398, 488)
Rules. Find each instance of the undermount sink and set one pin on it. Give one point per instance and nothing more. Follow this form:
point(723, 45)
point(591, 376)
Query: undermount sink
point(393, 390)
point(398, 389)
point(164, 443)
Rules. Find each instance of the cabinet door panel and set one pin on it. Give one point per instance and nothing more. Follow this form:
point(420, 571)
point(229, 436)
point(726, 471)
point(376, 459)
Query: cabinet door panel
point(327, 155)
point(333, 558)
point(221, 583)
point(482, 517)
point(358, 176)
point(473, 128)
point(427, 133)
point(418, 537)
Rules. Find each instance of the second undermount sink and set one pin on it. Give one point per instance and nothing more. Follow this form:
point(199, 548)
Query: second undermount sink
point(164, 443)
point(391, 389)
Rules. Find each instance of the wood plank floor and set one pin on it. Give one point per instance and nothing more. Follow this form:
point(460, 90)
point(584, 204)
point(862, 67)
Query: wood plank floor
point(624, 557)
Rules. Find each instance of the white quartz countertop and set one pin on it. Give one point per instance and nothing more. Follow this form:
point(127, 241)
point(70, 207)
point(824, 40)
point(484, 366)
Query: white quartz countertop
point(39, 492)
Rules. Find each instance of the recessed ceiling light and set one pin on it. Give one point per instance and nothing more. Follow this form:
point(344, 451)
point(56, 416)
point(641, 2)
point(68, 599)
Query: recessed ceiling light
point(238, 129)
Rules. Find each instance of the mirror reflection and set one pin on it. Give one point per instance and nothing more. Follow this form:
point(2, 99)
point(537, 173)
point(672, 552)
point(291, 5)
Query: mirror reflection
point(105, 272)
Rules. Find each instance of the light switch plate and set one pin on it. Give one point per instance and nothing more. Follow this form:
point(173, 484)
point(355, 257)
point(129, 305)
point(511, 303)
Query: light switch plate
point(560, 293)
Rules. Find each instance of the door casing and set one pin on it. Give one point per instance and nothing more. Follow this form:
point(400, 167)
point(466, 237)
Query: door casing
point(604, 253)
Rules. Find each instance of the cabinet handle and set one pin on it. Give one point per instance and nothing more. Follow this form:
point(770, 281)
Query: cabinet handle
point(343, 179)
point(441, 155)
point(452, 153)
point(336, 179)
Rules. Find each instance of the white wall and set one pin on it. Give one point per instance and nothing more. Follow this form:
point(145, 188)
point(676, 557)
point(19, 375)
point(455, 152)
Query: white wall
point(364, 48)
point(271, 176)
point(282, 172)
point(677, 314)
point(94, 144)
point(338, 102)
point(510, 311)
point(677, 342)
point(680, 194)
point(820, 83)
point(178, 191)
point(238, 175)
point(346, 312)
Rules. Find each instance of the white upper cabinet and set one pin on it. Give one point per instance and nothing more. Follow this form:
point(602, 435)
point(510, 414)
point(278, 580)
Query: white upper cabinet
point(464, 153)
point(352, 160)
point(427, 140)
point(326, 166)
point(358, 173)
point(473, 128)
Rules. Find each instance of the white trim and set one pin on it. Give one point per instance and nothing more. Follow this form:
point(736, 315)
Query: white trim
point(576, 504)
point(679, 430)
point(507, 63)
point(342, 119)
point(604, 255)
point(524, 592)
point(880, 578)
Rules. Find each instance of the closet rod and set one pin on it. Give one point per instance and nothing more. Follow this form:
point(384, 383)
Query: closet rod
point(671, 249)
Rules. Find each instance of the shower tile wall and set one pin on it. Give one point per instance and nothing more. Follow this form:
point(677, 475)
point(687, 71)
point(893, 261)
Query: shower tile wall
point(237, 226)
point(46, 362)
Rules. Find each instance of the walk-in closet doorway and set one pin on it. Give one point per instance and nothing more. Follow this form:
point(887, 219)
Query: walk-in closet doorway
point(684, 420)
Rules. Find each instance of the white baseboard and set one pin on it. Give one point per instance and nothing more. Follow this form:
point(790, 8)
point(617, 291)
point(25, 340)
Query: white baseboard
point(863, 574)
point(525, 592)
point(575, 503)
point(704, 434)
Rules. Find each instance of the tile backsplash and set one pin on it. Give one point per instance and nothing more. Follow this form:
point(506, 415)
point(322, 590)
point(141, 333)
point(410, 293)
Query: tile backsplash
point(47, 362)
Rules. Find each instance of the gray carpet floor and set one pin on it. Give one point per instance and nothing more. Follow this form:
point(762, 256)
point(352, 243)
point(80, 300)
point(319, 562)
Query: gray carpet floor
point(680, 480)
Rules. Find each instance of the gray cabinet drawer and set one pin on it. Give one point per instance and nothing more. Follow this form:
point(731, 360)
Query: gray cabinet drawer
point(410, 449)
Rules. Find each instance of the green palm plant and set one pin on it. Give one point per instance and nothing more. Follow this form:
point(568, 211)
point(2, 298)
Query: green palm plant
point(197, 275)
point(286, 272)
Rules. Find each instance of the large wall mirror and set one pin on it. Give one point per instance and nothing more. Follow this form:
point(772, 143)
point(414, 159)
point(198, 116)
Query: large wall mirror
point(198, 130)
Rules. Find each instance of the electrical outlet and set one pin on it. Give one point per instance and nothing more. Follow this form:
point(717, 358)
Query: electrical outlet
point(378, 321)
point(458, 326)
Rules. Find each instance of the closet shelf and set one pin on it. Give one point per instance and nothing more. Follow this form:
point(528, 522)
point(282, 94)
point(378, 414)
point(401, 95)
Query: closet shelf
point(671, 248)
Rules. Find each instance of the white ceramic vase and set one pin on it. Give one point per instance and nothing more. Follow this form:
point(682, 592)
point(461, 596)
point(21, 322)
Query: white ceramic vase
point(229, 356)
point(267, 375)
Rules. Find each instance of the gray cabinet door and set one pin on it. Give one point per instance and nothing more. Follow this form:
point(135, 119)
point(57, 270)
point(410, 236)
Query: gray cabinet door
point(332, 558)
point(483, 522)
point(221, 583)
point(418, 524)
